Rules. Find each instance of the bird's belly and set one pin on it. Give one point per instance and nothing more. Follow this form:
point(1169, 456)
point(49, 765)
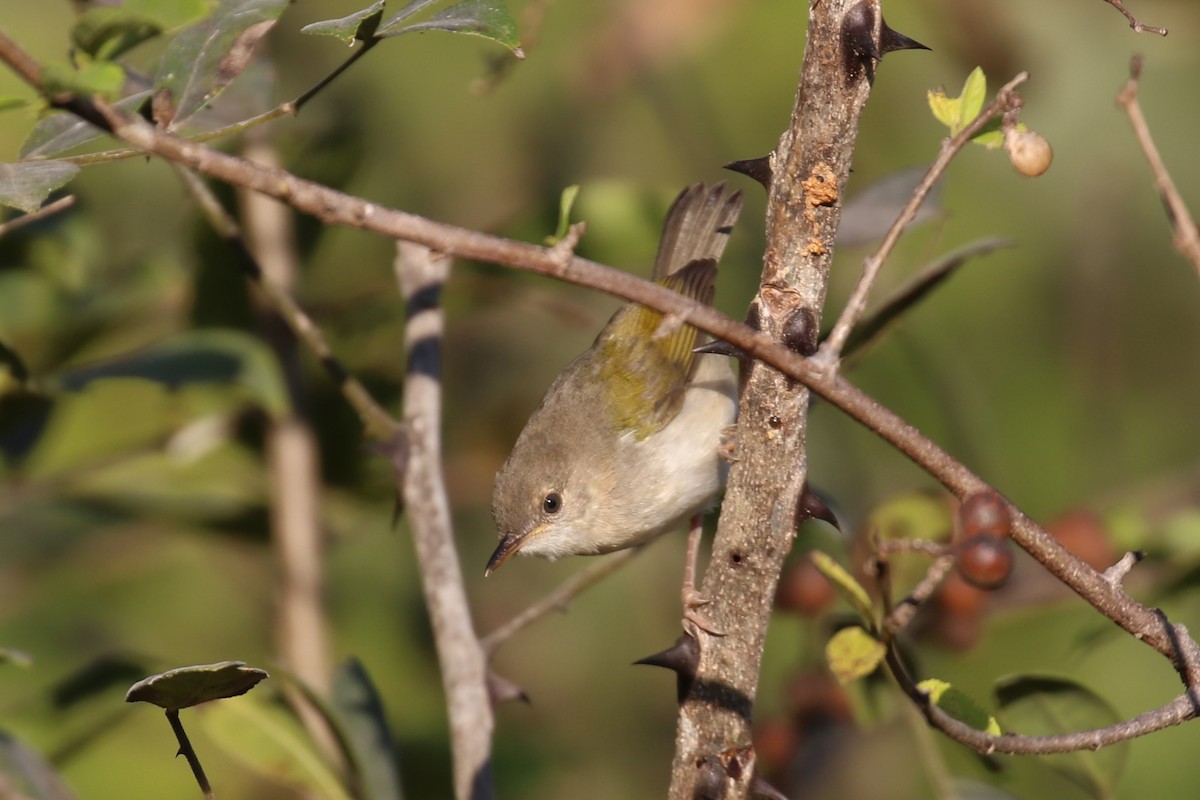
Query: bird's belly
point(675, 473)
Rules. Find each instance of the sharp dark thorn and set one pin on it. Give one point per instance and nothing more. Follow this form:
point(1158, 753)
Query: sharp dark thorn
point(813, 507)
point(757, 168)
point(717, 347)
point(891, 41)
point(682, 658)
point(501, 690)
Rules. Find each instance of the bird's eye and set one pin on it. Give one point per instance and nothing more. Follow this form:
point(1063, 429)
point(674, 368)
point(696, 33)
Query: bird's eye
point(552, 503)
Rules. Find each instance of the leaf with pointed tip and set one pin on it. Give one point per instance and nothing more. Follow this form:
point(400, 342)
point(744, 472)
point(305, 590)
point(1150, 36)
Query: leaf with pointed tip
point(974, 92)
point(57, 133)
point(959, 705)
point(846, 585)
point(272, 743)
point(565, 202)
point(361, 25)
point(487, 18)
point(25, 775)
point(1045, 704)
point(360, 708)
point(26, 185)
point(884, 318)
point(190, 686)
point(944, 107)
point(206, 56)
point(106, 32)
point(853, 653)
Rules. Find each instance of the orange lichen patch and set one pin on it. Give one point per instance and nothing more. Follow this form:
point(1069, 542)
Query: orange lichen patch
point(820, 187)
point(815, 247)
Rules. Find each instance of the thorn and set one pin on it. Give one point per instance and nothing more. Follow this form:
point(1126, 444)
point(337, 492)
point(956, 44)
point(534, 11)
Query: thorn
point(811, 506)
point(757, 168)
point(719, 347)
point(800, 332)
point(682, 658)
point(891, 41)
point(502, 690)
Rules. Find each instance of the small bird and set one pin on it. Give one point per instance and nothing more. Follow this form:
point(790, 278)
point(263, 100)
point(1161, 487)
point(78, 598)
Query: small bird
point(624, 445)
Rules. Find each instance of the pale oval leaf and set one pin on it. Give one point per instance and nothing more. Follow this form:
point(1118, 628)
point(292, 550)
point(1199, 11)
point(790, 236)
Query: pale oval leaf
point(26, 185)
point(853, 653)
point(189, 686)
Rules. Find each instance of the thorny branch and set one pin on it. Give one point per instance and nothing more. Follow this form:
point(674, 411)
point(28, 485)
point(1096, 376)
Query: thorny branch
point(1147, 625)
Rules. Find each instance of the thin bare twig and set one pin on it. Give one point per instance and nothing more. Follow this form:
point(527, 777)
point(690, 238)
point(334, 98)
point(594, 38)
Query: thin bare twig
point(421, 275)
point(558, 599)
point(48, 210)
point(1133, 21)
point(831, 350)
point(1186, 238)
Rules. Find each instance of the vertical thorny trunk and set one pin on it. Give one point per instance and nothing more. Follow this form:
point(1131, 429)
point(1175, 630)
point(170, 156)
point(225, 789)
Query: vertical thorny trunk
point(713, 754)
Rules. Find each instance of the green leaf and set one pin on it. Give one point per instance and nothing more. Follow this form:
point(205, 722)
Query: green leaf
point(206, 56)
point(959, 705)
point(105, 32)
point(25, 775)
point(487, 18)
point(853, 653)
point(271, 743)
point(359, 705)
point(170, 14)
point(945, 109)
point(26, 185)
point(565, 202)
point(845, 583)
point(958, 112)
point(973, 94)
point(104, 78)
point(217, 356)
point(409, 10)
point(190, 686)
point(1045, 705)
point(360, 25)
point(56, 133)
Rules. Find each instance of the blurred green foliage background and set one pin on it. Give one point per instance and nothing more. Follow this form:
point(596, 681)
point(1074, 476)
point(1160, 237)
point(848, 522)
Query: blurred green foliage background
point(1063, 369)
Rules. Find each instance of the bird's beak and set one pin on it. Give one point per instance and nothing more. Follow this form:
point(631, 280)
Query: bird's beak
point(510, 543)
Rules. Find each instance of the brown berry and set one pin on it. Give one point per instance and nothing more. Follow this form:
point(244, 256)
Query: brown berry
point(984, 561)
point(1084, 534)
point(1028, 151)
point(984, 514)
point(803, 589)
